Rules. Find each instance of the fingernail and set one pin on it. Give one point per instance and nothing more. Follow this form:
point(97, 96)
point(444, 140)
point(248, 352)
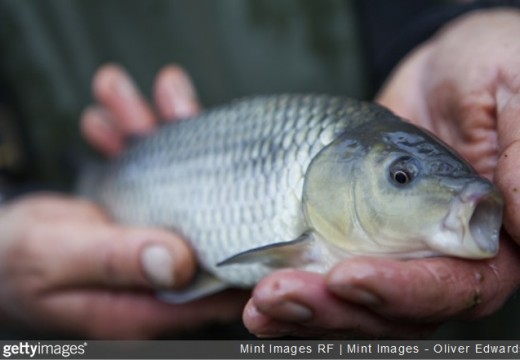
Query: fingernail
point(184, 108)
point(346, 282)
point(357, 295)
point(181, 99)
point(185, 86)
point(364, 297)
point(157, 264)
point(262, 325)
point(124, 87)
point(291, 312)
point(101, 118)
point(296, 312)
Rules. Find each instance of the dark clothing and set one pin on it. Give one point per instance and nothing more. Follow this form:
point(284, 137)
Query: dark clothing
point(50, 50)
point(389, 34)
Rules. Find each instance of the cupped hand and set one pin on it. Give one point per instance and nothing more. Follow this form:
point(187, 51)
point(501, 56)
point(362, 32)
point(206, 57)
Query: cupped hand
point(66, 268)
point(464, 85)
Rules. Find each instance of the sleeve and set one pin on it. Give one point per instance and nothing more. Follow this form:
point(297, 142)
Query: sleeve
point(413, 22)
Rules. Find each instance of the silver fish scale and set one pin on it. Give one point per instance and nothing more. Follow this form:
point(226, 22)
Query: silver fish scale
point(229, 180)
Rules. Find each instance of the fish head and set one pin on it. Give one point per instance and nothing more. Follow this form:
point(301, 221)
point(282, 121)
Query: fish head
point(389, 188)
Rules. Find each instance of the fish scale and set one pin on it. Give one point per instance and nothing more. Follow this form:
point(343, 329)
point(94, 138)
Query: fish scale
point(229, 180)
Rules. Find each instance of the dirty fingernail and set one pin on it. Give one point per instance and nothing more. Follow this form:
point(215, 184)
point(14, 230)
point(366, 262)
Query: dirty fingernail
point(157, 263)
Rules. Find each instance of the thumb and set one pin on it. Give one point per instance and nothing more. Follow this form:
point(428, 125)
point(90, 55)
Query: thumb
point(403, 92)
point(108, 255)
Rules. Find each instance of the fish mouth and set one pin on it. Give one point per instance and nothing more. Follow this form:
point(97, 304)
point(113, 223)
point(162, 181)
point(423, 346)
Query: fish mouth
point(485, 222)
point(472, 227)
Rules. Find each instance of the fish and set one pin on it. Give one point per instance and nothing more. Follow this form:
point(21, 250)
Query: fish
point(299, 181)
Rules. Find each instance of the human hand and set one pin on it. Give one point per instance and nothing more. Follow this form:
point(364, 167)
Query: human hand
point(122, 112)
point(66, 268)
point(464, 86)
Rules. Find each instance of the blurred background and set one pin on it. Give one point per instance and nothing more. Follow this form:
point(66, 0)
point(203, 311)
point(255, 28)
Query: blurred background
point(50, 49)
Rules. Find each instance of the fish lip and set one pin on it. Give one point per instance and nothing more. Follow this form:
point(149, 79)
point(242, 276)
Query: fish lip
point(486, 220)
point(480, 208)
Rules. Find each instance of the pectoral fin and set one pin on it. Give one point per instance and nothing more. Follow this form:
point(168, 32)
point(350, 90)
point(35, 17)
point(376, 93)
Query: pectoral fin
point(278, 255)
point(204, 284)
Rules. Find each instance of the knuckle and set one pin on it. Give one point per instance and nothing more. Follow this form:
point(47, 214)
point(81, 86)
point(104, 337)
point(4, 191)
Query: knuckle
point(489, 292)
point(445, 291)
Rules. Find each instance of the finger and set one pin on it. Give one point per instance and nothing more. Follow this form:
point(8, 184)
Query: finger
point(174, 94)
point(99, 129)
point(65, 254)
point(263, 326)
point(506, 173)
point(402, 85)
point(49, 207)
point(299, 303)
point(508, 182)
point(101, 314)
point(428, 290)
point(116, 91)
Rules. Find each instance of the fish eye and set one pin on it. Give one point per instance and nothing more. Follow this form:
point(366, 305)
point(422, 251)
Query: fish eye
point(401, 177)
point(403, 171)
